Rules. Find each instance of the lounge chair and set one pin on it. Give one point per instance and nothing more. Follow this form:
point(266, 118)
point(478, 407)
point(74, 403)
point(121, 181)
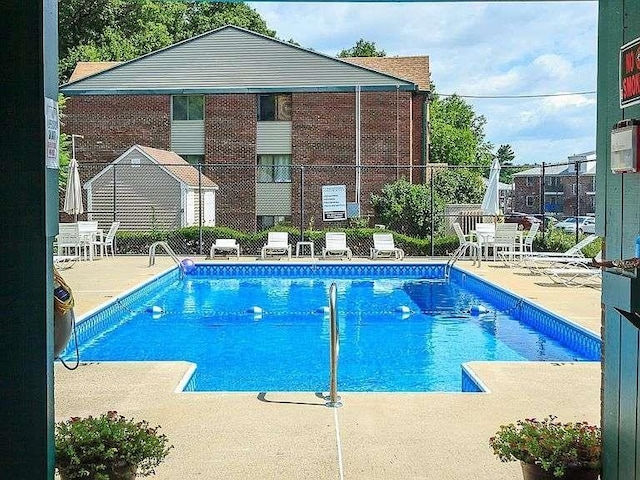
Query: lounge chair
point(384, 246)
point(536, 261)
point(336, 245)
point(225, 245)
point(576, 274)
point(277, 244)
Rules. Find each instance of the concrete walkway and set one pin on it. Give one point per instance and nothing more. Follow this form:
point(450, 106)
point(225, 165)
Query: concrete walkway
point(292, 435)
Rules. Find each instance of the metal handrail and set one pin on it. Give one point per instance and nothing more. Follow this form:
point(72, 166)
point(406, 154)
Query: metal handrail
point(334, 347)
point(168, 249)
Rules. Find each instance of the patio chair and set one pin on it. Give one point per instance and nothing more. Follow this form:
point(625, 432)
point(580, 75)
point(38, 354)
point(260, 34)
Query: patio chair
point(108, 241)
point(68, 240)
point(88, 232)
point(336, 245)
point(504, 240)
point(277, 244)
point(466, 243)
point(384, 246)
point(225, 245)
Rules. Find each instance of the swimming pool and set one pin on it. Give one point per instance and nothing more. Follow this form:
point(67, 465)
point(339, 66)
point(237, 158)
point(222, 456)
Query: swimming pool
point(399, 329)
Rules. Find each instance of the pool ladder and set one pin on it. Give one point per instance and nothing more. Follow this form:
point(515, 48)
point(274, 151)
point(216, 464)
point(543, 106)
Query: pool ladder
point(333, 400)
point(168, 249)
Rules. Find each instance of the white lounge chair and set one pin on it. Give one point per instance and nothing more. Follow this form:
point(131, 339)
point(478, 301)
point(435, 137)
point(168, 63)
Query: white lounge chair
point(225, 245)
point(277, 244)
point(536, 261)
point(336, 245)
point(576, 274)
point(384, 246)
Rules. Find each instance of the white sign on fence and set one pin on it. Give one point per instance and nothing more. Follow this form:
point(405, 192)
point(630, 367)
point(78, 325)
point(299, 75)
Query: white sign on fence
point(334, 202)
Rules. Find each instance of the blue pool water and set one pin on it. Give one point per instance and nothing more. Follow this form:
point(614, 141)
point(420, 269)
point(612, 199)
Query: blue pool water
point(208, 318)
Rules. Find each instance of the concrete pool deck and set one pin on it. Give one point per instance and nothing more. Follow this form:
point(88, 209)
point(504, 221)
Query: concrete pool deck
point(292, 435)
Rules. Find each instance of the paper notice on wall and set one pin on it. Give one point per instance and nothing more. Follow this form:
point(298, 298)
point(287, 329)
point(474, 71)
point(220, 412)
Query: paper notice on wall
point(52, 127)
point(334, 202)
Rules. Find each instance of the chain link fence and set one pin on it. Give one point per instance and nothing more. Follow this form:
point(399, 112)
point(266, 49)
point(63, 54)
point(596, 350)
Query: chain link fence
point(189, 206)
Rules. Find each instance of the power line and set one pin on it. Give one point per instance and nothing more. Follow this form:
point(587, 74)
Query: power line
point(541, 95)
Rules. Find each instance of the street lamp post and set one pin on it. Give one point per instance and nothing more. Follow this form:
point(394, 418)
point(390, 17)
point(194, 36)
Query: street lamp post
point(73, 144)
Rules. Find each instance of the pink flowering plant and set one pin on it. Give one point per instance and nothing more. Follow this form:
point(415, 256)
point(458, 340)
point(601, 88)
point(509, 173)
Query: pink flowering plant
point(553, 445)
point(103, 447)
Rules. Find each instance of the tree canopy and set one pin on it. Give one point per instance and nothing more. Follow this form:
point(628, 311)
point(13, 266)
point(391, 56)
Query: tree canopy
point(505, 155)
point(118, 30)
point(457, 133)
point(362, 48)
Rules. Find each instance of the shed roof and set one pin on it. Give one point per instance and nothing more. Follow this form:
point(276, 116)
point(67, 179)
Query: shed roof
point(86, 69)
point(171, 162)
point(414, 68)
point(233, 60)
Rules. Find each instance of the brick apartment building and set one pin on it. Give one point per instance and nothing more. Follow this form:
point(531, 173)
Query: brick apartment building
point(564, 185)
point(262, 108)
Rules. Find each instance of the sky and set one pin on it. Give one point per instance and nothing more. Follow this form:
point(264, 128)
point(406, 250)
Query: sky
point(478, 49)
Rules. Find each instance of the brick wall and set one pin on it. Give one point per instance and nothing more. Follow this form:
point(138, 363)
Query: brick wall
point(323, 133)
point(112, 124)
point(230, 138)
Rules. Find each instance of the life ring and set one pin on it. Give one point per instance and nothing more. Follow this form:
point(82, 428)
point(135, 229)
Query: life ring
point(63, 316)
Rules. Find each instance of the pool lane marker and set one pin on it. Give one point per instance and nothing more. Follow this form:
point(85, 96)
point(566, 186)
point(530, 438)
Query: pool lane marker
point(338, 443)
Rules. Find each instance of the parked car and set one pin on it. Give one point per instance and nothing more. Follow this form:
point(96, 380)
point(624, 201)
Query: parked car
point(523, 220)
point(549, 220)
point(585, 224)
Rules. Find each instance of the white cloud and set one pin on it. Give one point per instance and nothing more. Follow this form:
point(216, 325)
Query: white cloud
point(478, 48)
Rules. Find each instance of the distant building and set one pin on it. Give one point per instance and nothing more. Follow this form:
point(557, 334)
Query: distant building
point(563, 187)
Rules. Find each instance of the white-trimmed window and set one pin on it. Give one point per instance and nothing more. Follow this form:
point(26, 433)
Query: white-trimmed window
point(274, 168)
point(530, 181)
point(187, 107)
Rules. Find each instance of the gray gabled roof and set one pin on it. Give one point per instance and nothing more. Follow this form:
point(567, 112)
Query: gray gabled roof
point(563, 169)
point(169, 161)
point(231, 59)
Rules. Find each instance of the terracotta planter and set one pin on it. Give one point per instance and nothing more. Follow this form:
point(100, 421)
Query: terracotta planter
point(535, 472)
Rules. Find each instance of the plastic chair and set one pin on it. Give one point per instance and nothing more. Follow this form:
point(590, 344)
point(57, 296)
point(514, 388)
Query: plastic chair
point(225, 245)
point(383, 245)
point(336, 245)
point(277, 244)
point(108, 241)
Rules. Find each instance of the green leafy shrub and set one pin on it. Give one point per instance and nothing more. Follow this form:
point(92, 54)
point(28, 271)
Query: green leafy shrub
point(553, 445)
point(101, 447)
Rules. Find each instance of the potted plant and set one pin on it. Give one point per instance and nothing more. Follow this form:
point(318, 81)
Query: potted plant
point(550, 450)
point(108, 447)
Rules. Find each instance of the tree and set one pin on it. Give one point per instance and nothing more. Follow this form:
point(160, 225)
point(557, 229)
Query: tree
point(117, 30)
point(64, 148)
point(457, 133)
point(505, 154)
point(406, 208)
point(363, 48)
point(459, 185)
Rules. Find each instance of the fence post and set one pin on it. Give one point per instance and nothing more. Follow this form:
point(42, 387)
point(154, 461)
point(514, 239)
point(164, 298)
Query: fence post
point(200, 208)
point(542, 206)
point(302, 203)
point(432, 216)
point(114, 191)
point(577, 167)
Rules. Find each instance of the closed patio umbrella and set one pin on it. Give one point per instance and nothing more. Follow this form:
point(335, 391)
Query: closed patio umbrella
point(73, 193)
point(491, 200)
